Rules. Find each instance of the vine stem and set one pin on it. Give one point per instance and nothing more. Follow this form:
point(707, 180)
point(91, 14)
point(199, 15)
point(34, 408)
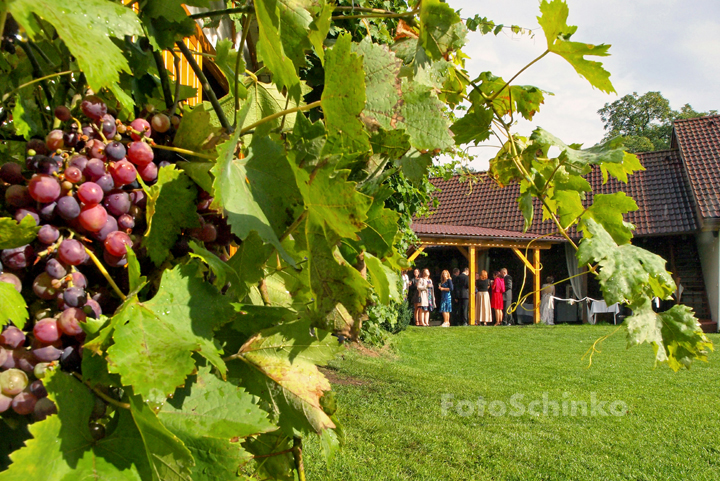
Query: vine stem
point(279, 453)
point(225, 11)
point(375, 15)
point(34, 81)
point(102, 395)
point(176, 97)
point(37, 71)
point(164, 80)
point(182, 151)
point(297, 455)
point(105, 274)
point(293, 226)
point(276, 115)
point(518, 74)
point(206, 86)
point(240, 54)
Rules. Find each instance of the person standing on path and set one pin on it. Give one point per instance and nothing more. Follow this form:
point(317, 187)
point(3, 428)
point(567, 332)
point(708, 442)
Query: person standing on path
point(446, 288)
point(507, 297)
point(463, 293)
point(483, 312)
point(547, 301)
point(455, 314)
point(496, 298)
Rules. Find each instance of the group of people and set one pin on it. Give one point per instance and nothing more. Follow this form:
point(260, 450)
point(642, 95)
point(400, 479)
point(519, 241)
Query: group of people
point(493, 297)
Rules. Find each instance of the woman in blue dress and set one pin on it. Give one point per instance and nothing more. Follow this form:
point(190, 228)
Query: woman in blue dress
point(446, 287)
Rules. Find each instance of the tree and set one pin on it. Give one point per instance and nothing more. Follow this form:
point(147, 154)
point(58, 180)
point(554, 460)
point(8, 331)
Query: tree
point(174, 273)
point(644, 121)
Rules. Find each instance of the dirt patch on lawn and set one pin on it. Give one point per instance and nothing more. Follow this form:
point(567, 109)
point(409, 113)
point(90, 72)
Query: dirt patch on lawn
point(335, 378)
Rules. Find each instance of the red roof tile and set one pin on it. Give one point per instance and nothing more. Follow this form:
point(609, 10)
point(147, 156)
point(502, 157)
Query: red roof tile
point(699, 142)
point(661, 192)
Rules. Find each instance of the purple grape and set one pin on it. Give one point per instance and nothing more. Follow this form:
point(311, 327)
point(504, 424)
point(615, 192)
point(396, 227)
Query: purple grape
point(37, 145)
point(17, 258)
point(111, 225)
point(93, 217)
point(46, 330)
point(68, 207)
point(12, 338)
point(79, 280)
point(70, 360)
point(114, 261)
point(140, 153)
point(69, 321)
point(47, 211)
point(10, 361)
point(47, 354)
point(126, 222)
point(79, 161)
point(48, 234)
point(141, 126)
point(118, 203)
point(44, 188)
point(13, 280)
point(18, 196)
point(106, 183)
point(139, 198)
point(94, 169)
point(115, 151)
point(116, 243)
point(163, 163)
point(11, 173)
point(71, 139)
point(55, 269)
point(55, 140)
point(32, 163)
point(47, 167)
point(44, 407)
point(93, 107)
point(25, 211)
point(90, 193)
point(88, 132)
point(43, 287)
point(62, 113)
point(24, 360)
point(5, 402)
point(99, 409)
point(73, 174)
point(92, 309)
point(149, 172)
point(108, 127)
point(123, 172)
point(96, 148)
point(74, 297)
point(71, 252)
point(4, 355)
point(24, 403)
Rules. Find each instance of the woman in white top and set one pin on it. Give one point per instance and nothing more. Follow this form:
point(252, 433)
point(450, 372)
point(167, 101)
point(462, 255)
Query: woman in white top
point(547, 303)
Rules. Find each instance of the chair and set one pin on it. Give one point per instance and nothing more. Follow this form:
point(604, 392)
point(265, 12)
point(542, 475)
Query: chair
point(596, 307)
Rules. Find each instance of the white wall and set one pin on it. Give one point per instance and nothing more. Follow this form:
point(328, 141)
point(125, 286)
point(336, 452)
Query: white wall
point(709, 249)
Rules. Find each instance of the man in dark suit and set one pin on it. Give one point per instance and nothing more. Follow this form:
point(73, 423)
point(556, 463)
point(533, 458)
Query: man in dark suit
point(454, 294)
point(507, 297)
point(463, 293)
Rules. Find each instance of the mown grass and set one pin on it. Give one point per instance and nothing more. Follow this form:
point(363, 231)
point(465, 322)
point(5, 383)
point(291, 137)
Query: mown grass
point(395, 430)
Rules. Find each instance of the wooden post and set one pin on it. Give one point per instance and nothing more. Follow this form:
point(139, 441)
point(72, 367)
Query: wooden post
point(473, 269)
point(536, 289)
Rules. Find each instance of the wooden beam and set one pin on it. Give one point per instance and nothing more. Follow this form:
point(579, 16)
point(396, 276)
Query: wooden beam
point(524, 259)
point(464, 252)
point(473, 268)
point(536, 261)
point(417, 252)
point(485, 244)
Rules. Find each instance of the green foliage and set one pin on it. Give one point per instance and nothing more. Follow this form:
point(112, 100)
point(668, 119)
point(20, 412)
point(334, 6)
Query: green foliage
point(12, 306)
point(14, 234)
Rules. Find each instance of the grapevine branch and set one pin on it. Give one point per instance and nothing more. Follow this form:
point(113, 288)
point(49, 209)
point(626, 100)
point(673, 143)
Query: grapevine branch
point(375, 15)
point(105, 274)
point(225, 11)
point(102, 395)
point(182, 151)
point(206, 86)
point(276, 115)
point(37, 71)
point(164, 81)
point(518, 74)
point(34, 81)
point(297, 455)
point(240, 53)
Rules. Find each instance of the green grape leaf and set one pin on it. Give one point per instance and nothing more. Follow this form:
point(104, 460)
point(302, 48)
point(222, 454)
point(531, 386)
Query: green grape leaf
point(569, 206)
point(266, 100)
point(247, 189)
point(554, 24)
point(223, 272)
point(441, 29)
point(525, 203)
point(580, 160)
point(295, 23)
point(308, 140)
point(26, 120)
point(332, 203)
point(171, 9)
point(424, 118)
point(627, 272)
point(155, 339)
point(675, 335)
point(62, 447)
point(608, 210)
point(620, 171)
point(225, 59)
point(199, 172)
point(135, 277)
point(248, 262)
point(415, 165)
point(256, 318)
point(280, 367)
point(170, 208)
point(85, 27)
point(163, 33)
point(391, 144)
point(196, 133)
point(169, 457)
point(343, 97)
point(474, 126)
point(319, 29)
point(13, 436)
point(383, 87)
point(12, 306)
point(14, 234)
point(270, 47)
point(381, 225)
point(383, 279)
point(275, 460)
point(210, 407)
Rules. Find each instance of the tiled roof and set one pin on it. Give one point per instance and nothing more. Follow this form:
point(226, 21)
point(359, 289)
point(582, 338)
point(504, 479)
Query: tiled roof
point(699, 143)
point(665, 206)
point(462, 231)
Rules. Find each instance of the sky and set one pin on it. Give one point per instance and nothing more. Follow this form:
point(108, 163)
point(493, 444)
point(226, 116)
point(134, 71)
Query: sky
point(671, 46)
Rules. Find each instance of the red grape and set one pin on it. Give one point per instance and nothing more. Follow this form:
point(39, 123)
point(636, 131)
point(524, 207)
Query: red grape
point(68, 207)
point(11, 279)
point(93, 107)
point(25, 211)
point(43, 287)
point(114, 261)
point(24, 403)
point(126, 222)
point(92, 218)
point(46, 330)
point(115, 243)
point(111, 225)
point(106, 183)
point(37, 388)
point(55, 140)
point(123, 172)
point(92, 309)
point(149, 172)
point(73, 174)
point(47, 354)
point(90, 193)
point(142, 126)
point(17, 258)
point(69, 321)
point(161, 123)
point(11, 173)
point(140, 153)
point(38, 146)
point(96, 148)
point(95, 169)
point(79, 280)
point(79, 161)
point(117, 203)
point(18, 196)
point(44, 407)
point(12, 338)
point(71, 252)
point(115, 151)
point(62, 113)
point(5, 402)
point(44, 188)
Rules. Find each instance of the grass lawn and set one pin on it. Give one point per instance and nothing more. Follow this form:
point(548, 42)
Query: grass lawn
point(390, 406)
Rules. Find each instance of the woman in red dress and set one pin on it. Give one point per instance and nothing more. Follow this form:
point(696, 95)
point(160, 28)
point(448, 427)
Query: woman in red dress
point(496, 297)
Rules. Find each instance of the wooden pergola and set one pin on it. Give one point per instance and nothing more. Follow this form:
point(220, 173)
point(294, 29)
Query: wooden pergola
point(470, 245)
